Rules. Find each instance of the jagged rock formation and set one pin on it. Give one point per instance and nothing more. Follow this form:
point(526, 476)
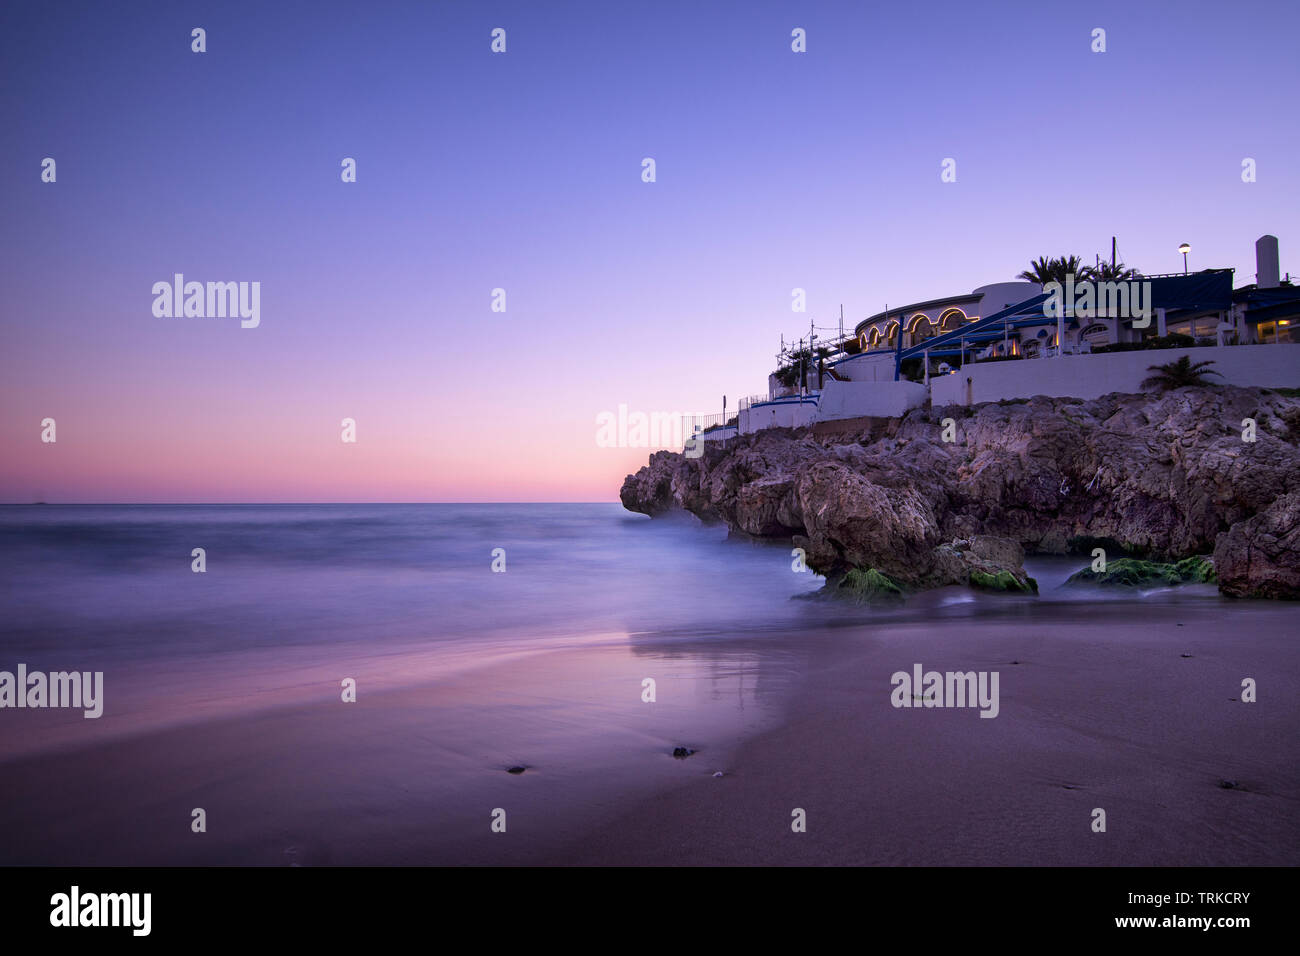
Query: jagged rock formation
point(1160, 476)
point(1260, 557)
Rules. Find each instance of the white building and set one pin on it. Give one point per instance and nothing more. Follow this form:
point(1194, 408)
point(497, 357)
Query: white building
point(876, 375)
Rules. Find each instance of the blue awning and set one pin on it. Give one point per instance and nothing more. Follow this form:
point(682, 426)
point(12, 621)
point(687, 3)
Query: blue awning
point(1202, 291)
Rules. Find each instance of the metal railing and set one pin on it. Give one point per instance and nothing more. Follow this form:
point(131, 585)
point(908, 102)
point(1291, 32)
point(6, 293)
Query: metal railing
point(705, 422)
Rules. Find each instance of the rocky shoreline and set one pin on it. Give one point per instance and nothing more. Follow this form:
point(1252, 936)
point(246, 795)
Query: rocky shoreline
point(958, 495)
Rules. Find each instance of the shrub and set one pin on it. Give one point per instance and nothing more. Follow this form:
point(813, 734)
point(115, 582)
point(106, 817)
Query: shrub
point(1174, 340)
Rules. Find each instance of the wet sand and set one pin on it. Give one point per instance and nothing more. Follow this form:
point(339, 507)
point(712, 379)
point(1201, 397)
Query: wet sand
point(1100, 711)
point(1098, 708)
point(405, 775)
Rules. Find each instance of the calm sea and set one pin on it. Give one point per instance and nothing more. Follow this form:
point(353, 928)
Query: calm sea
point(225, 689)
point(107, 583)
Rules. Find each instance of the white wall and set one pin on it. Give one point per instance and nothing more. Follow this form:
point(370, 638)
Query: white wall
point(878, 399)
point(951, 389)
point(718, 433)
point(868, 367)
point(789, 413)
point(1001, 295)
point(1090, 376)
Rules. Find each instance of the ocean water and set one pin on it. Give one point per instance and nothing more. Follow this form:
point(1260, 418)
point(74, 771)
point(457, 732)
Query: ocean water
point(223, 689)
point(89, 586)
point(111, 583)
point(295, 597)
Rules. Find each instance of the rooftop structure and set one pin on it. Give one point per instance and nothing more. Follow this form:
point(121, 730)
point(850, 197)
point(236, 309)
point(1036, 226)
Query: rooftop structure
point(963, 348)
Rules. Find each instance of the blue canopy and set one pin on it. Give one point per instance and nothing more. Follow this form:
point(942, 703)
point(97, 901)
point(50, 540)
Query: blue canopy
point(1201, 292)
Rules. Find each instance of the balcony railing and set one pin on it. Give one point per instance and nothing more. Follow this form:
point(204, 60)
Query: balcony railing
point(704, 422)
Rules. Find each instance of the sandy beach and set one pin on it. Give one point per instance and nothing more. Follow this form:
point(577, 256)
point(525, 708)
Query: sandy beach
point(1103, 711)
point(1124, 706)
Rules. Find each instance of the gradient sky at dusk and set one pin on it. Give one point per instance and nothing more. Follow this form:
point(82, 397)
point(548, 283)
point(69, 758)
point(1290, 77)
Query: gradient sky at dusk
point(523, 171)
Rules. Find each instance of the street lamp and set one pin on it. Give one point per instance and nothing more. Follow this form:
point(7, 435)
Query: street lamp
point(1184, 249)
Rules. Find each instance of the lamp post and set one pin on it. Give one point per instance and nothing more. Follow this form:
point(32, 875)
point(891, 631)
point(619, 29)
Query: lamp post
point(1184, 249)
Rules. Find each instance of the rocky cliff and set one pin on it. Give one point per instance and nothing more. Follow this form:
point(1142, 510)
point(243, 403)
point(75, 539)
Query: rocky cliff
point(949, 495)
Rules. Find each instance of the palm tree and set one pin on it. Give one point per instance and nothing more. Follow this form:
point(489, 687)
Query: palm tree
point(1044, 270)
point(1179, 374)
point(1105, 272)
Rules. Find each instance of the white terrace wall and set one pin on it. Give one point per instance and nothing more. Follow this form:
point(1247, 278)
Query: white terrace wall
point(867, 367)
point(1090, 376)
point(783, 413)
point(878, 399)
point(719, 434)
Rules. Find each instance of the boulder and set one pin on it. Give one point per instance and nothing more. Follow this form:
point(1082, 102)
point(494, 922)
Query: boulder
point(1260, 557)
point(1139, 573)
point(650, 490)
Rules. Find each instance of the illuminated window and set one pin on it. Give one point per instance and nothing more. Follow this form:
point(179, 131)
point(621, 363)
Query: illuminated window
point(952, 319)
point(1283, 330)
point(922, 328)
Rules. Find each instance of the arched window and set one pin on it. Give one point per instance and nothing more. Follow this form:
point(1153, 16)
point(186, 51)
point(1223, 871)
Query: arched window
point(891, 330)
point(1096, 334)
point(952, 319)
point(921, 328)
point(874, 340)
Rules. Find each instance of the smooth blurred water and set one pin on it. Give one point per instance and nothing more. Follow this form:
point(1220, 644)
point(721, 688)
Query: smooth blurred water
point(246, 661)
point(112, 582)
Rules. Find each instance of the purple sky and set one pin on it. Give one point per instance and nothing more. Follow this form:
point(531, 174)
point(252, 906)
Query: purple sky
point(523, 171)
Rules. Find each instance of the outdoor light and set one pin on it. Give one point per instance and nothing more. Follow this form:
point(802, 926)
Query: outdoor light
point(1184, 249)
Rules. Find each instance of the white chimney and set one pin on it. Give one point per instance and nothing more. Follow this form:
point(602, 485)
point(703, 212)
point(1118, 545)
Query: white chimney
point(1266, 267)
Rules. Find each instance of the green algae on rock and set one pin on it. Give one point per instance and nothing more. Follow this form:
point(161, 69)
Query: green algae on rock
point(868, 586)
point(1138, 573)
point(1002, 581)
